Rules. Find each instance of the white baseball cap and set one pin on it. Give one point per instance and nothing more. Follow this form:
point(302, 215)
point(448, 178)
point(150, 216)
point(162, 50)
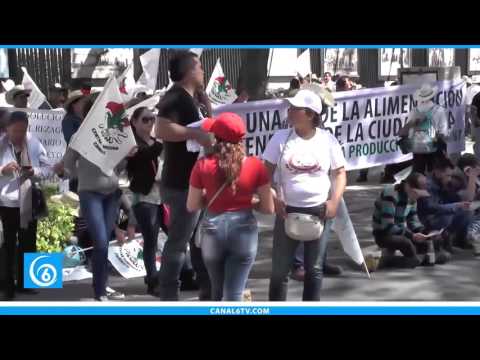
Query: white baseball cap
point(307, 99)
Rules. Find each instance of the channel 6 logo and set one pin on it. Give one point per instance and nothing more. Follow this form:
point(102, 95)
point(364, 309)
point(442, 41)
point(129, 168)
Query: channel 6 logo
point(43, 270)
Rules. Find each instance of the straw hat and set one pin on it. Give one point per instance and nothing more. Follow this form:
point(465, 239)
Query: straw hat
point(425, 93)
point(325, 95)
point(16, 90)
point(74, 96)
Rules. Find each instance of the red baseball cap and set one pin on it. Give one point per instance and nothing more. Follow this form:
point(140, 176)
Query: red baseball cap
point(226, 126)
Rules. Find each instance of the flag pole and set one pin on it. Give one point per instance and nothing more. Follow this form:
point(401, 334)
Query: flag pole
point(366, 269)
point(91, 247)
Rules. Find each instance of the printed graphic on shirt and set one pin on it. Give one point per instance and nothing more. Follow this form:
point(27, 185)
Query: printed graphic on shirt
point(302, 163)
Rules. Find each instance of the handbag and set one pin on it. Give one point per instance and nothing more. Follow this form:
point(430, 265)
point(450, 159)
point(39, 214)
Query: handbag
point(198, 232)
point(298, 226)
point(39, 204)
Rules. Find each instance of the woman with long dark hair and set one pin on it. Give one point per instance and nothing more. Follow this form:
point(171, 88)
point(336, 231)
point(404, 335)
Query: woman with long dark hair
point(224, 182)
point(144, 178)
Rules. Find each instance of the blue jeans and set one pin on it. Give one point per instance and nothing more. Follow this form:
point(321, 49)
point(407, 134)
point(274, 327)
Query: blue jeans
point(284, 249)
point(229, 247)
point(180, 232)
point(148, 219)
point(100, 212)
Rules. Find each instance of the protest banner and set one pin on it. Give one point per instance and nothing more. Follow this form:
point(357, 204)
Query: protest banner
point(105, 136)
point(365, 122)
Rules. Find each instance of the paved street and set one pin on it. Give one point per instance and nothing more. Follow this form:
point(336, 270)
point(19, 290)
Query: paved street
point(455, 281)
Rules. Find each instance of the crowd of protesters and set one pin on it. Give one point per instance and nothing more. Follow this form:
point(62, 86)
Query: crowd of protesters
point(212, 233)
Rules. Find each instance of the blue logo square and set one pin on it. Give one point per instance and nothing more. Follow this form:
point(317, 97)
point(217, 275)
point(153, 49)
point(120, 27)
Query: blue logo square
point(43, 270)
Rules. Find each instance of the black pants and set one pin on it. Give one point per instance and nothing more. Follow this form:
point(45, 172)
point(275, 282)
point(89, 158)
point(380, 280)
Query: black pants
point(149, 218)
point(399, 242)
point(27, 242)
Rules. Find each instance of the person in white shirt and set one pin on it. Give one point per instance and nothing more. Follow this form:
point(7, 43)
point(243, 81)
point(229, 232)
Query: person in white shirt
point(328, 82)
point(22, 159)
point(304, 157)
point(426, 130)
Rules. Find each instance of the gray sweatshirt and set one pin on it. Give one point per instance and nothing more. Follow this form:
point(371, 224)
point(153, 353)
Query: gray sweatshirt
point(90, 177)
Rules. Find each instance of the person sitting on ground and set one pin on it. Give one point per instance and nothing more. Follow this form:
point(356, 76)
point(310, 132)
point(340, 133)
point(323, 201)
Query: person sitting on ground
point(443, 208)
point(469, 166)
point(395, 222)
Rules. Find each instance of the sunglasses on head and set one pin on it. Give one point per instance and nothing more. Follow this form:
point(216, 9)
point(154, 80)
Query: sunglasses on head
point(148, 119)
point(294, 108)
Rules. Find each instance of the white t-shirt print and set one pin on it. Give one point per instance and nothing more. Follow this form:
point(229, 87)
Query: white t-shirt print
point(305, 165)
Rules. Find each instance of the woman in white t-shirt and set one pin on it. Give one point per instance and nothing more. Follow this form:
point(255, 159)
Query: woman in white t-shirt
point(307, 156)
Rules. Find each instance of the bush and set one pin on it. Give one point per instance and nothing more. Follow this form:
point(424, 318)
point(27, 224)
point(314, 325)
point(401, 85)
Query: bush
point(54, 231)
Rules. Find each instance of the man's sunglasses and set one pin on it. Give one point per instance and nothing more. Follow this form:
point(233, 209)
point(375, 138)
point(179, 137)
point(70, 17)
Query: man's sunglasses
point(23, 95)
point(148, 119)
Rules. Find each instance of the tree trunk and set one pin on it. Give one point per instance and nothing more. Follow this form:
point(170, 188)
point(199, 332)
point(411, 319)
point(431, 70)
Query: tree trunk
point(253, 73)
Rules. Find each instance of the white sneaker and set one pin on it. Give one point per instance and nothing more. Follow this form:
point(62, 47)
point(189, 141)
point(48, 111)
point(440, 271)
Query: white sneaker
point(113, 294)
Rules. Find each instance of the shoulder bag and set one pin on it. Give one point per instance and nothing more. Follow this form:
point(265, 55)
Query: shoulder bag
point(198, 232)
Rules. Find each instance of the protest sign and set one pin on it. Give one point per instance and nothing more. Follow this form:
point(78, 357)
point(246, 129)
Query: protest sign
point(365, 122)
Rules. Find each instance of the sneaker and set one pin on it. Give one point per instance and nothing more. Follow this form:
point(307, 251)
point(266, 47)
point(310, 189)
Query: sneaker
point(102, 298)
point(114, 295)
point(334, 270)
point(298, 274)
point(442, 257)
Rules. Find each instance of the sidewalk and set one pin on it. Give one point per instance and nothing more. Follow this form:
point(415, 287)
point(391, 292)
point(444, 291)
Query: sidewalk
point(455, 281)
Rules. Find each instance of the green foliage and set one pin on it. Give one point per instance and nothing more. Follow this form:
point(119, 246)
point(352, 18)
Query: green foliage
point(55, 230)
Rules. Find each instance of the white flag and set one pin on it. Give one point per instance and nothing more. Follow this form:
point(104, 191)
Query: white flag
point(219, 89)
point(126, 83)
point(36, 98)
point(149, 103)
point(303, 66)
point(150, 62)
point(197, 51)
point(343, 227)
point(105, 136)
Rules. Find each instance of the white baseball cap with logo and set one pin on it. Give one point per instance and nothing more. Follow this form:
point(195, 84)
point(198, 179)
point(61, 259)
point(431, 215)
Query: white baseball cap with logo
point(307, 99)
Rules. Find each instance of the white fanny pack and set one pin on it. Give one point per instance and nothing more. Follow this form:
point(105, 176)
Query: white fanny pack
point(303, 227)
point(299, 226)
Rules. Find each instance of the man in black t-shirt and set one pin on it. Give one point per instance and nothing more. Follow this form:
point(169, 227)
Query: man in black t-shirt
point(177, 109)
